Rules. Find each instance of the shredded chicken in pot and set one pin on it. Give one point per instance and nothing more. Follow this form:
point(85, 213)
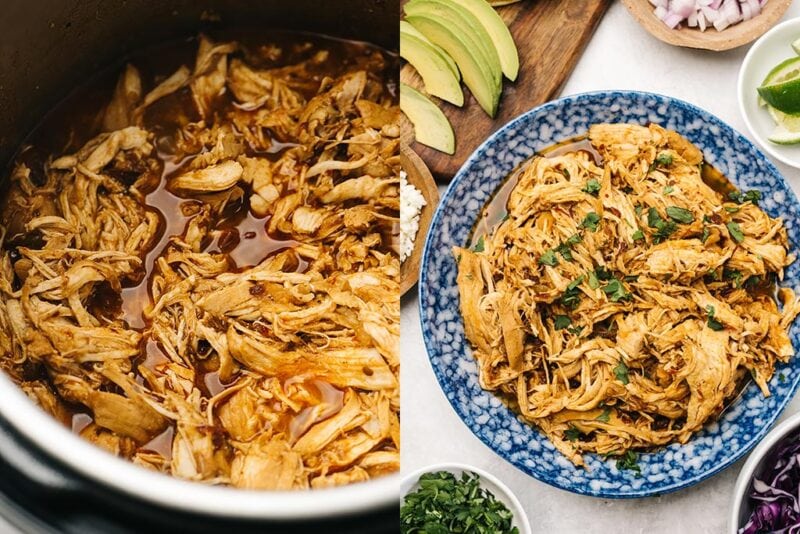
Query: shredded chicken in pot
point(622, 300)
point(209, 287)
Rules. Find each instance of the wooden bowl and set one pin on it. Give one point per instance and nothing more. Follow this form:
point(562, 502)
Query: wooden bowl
point(420, 177)
point(731, 37)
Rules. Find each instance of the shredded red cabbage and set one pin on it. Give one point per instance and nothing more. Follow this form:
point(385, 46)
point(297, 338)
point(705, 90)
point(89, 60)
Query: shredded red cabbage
point(776, 493)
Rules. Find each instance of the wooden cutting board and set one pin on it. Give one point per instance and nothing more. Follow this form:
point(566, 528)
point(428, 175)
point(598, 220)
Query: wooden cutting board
point(550, 36)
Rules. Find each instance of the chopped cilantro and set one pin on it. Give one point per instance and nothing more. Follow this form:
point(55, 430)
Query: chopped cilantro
point(603, 273)
point(605, 416)
point(713, 324)
point(548, 258)
point(706, 234)
point(591, 221)
point(575, 330)
point(616, 290)
point(781, 378)
point(668, 189)
point(562, 321)
point(638, 210)
point(735, 231)
point(749, 196)
point(572, 433)
point(445, 502)
point(681, 215)
point(732, 209)
point(565, 172)
point(572, 295)
point(638, 235)
point(594, 283)
point(592, 187)
point(565, 248)
point(621, 372)
point(479, 246)
point(663, 228)
point(664, 159)
point(734, 276)
point(628, 461)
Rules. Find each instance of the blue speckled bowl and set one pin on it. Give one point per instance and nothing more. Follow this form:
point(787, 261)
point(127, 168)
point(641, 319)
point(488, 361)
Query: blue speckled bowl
point(677, 466)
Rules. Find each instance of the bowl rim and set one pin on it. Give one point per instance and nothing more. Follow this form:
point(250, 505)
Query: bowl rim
point(428, 252)
point(170, 492)
point(770, 148)
point(754, 462)
point(412, 478)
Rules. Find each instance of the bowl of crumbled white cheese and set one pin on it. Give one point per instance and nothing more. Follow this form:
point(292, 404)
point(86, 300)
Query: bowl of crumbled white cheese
point(418, 199)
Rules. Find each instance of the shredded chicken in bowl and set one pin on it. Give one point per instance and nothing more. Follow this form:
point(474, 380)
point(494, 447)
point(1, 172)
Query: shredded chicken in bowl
point(622, 301)
point(210, 286)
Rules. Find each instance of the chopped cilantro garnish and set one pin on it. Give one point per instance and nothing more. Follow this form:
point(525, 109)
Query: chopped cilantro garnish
point(616, 290)
point(572, 295)
point(668, 189)
point(548, 258)
point(562, 321)
point(592, 187)
point(681, 215)
point(572, 433)
point(734, 276)
point(591, 221)
point(621, 372)
point(706, 234)
point(638, 235)
point(575, 330)
point(594, 283)
point(565, 172)
point(664, 159)
point(663, 228)
point(735, 231)
point(713, 324)
point(565, 248)
point(603, 273)
point(479, 246)
point(732, 209)
point(444, 502)
point(749, 196)
point(605, 416)
point(628, 461)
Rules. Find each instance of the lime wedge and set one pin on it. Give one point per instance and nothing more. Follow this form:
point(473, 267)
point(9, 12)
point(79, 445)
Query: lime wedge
point(781, 87)
point(782, 136)
point(796, 46)
point(790, 122)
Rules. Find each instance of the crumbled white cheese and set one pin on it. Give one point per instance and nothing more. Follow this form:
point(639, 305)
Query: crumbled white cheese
point(411, 203)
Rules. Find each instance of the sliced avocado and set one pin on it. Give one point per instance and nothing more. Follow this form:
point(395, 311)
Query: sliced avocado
point(499, 33)
point(476, 75)
point(407, 28)
point(459, 19)
point(438, 78)
point(431, 127)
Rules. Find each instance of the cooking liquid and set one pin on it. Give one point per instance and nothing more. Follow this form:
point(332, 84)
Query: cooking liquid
point(237, 233)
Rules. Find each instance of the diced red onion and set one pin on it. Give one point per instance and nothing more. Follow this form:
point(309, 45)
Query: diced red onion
point(704, 13)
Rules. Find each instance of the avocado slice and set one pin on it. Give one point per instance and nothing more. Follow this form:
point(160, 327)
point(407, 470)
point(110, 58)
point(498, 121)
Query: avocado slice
point(475, 72)
point(435, 72)
point(461, 20)
point(431, 127)
point(499, 33)
point(407, 28)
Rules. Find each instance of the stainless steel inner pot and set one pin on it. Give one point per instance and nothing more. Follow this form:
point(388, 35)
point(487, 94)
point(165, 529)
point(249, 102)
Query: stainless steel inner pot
point(48, 47)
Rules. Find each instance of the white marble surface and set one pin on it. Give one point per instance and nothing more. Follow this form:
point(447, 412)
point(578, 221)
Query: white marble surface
point(621, 55)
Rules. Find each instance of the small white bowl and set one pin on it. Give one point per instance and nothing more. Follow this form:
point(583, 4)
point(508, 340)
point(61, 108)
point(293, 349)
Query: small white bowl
point(411, 483)
point(740, 506)
point(772, 48)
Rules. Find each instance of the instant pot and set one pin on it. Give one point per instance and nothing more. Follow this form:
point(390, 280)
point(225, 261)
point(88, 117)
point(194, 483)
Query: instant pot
point(50, 479)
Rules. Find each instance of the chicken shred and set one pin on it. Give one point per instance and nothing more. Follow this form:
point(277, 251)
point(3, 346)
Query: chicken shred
point(621, 304)
point(275, 373)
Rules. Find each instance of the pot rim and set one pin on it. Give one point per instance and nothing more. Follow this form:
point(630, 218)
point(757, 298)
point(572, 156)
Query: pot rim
point(170, 492)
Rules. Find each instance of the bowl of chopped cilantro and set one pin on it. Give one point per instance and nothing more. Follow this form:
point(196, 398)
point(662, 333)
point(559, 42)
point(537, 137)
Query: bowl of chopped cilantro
point(446, 498)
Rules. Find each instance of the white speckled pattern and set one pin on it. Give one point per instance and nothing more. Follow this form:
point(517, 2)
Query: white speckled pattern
point(674, 467)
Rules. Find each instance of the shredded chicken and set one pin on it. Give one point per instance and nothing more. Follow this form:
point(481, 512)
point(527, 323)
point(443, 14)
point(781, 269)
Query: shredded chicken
point(621, 304)
point(267, 283)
